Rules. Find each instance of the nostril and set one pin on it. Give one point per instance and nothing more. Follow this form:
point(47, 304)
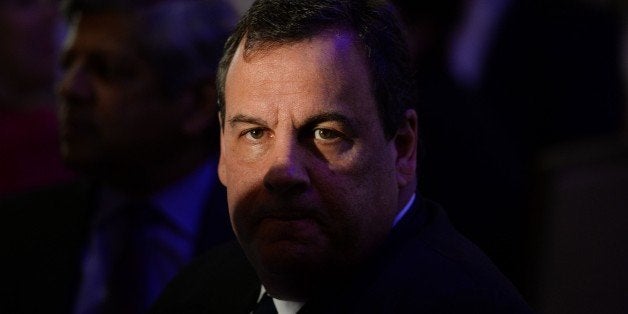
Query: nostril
point(74, 94)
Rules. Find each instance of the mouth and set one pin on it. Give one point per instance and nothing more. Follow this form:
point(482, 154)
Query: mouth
point(282, 223)
point(73, 133)
point(288, 216)
point(288, 230)
point(288, 224)
point(290, 219)
point(75, 127)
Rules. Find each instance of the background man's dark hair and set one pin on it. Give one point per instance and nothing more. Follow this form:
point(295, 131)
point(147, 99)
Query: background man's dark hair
point(374, 22)
point(182, 40)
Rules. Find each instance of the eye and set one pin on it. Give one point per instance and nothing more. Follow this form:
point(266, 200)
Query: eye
point(254, 134)
point(326, 134)
point(66, 61)
point(98, 66)
point(111, 69)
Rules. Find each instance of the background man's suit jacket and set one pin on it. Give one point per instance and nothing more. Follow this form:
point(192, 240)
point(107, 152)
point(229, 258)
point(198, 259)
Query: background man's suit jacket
point(44, 235)
point(424, 267)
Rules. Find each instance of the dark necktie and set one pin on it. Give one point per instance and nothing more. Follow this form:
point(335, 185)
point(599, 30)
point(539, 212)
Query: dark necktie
point(265, 306)
point(128, 279)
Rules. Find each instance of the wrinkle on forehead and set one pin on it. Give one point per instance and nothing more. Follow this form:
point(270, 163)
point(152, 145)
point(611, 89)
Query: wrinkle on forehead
point(344, 52)
point(344, 40)
point(288, 75)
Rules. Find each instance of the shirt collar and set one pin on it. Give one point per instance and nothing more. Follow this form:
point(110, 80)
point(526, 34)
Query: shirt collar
point(403, 212)
point(283, 306)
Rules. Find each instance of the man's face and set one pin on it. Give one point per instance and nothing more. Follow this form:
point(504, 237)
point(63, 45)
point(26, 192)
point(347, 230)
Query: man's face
point(112, 111)
point(311, 179)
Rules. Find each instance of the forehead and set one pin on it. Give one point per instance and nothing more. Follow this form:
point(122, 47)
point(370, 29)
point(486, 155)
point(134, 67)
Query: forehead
point(327, 65)
point(102, 31)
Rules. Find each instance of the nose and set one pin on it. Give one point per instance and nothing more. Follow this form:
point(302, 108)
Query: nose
point(288, 174)
point(75, 87)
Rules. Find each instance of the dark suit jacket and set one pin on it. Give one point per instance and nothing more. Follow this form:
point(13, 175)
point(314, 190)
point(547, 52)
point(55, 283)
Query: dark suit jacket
point(424, 267)
point(44, 235)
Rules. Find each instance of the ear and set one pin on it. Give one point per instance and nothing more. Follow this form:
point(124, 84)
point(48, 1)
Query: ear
point(202, 103)
point(222, 171)
point(406, 144)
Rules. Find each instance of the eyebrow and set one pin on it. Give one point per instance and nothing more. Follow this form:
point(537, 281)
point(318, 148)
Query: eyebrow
point(309, 122)
point(312, 122)
point(240, 118)
point(327, 117)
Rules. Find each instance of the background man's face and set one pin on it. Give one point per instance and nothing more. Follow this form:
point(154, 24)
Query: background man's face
point(310, 177)
point(112, 111)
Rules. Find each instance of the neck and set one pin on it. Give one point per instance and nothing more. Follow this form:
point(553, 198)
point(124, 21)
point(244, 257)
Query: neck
point(301, 286)
point(147, 178)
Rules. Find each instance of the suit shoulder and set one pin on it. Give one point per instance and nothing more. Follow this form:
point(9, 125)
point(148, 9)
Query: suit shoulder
point(437, 264)
point(219, 281)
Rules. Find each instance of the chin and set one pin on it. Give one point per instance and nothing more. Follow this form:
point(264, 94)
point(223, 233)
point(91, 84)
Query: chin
point(295, 271)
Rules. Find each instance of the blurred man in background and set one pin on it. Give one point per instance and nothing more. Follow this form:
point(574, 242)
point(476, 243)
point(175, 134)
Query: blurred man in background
point(137, 119)
point(29, 147)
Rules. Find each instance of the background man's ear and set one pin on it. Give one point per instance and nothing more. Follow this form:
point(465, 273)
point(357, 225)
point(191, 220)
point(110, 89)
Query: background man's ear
point(406, 144)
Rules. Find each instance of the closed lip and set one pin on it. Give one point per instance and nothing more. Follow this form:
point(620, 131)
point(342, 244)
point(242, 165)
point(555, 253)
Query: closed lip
point(288, 217)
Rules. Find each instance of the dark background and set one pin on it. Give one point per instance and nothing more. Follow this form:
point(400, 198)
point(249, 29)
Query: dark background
point(522, 116)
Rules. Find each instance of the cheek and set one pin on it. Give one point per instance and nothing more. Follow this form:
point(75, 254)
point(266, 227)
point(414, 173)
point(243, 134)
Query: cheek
point(248, 154)
point(244, 166)
point(365, 184)
point(360, 171)
point(242, 183)
point(108, 104)
point(123, 113)
point(242, 202)
point(110, 122)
